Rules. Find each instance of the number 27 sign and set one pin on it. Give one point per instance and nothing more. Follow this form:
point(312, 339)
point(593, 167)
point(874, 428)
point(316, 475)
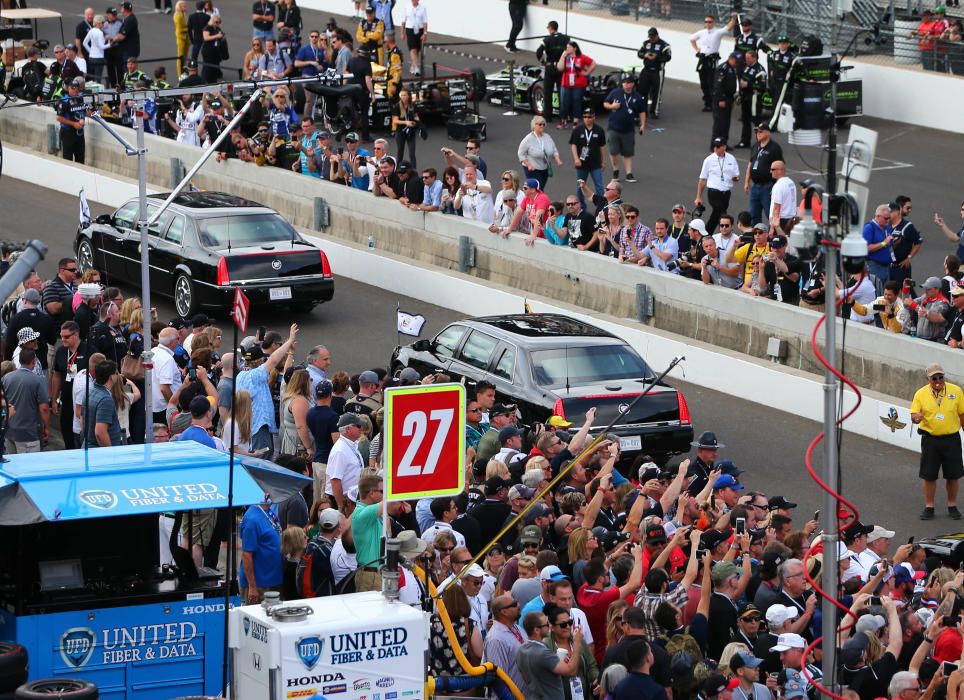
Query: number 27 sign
point(424, 441)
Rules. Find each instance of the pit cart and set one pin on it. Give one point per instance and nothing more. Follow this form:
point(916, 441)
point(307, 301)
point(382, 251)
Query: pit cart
point(80, 583)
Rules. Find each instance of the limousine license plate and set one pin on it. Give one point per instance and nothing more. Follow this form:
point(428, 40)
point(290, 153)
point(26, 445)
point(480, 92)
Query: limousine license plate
point(632, 442)
point(279, 293)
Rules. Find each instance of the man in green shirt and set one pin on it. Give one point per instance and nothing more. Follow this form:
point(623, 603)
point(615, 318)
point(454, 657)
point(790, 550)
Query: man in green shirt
point(500, 416)
point(366, 527)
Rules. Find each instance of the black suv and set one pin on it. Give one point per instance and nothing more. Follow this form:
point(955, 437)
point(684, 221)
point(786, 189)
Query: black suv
point(549, 364)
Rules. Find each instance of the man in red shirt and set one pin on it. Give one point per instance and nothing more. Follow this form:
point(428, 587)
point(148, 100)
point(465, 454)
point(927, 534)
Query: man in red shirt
point(533, 207)
point(596, 595)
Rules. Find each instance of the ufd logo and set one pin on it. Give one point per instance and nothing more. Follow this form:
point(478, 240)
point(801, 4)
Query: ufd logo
point(309, 650)
point(101, 499)
point(77, 646)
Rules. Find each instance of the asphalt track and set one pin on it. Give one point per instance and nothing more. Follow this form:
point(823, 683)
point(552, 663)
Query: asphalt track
point(358, 326)
point(914, 161)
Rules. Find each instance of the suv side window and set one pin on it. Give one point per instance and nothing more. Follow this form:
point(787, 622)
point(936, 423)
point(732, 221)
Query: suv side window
point(448, 341)
point(506, 364)
point(126, 215)
point(478, 349)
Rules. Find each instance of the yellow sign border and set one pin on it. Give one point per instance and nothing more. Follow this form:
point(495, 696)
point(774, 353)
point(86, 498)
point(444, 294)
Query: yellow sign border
point(423, 389)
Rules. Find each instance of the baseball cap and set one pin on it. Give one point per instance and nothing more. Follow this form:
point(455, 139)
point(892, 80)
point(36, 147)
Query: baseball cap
point(508, 432)
point(794, 686)
point(853, 650)
point(678, 207)
point(855, 530)
point(369, 8)
point(783, 37)
point(177, 322)
point(191, 63)
point(770, 562)
point(127, 5)
point(748, 609)
point(33, 296)
point(717, 683)
point(742, 659)
point(746, 21)
point(111, 11)
point(627, 78)
point(778, 614)
point(90, 290)
point(699, 226)
point(727, 481)
point(727, 466)
point(502, 409)
point(404, 167)
point(349, 419)
point(352, 494)
point(588, 112)
point(551, 573)
point(905, 573)
point(201, 320)
point(736, 54)
point(409, 375)
point(869, 623)
point(789, 640)
point(777, 502)
point(559, 422)
point(368, 377)
point(539, 510)
point(199, 406)
point(531, 534)
point(763, 126)
point(328, 519)
point(934, 369)
point(719, 141)
point(351, 136)
point(26, 334)
point(653, 31)
point(713, 538)
point(932, 283)
point(520, 491)
point(532, 184)
point(778, 241)
point(880, 533)
point(475, 571)
point(655, 534)
point(77, 83)
point(323, 389)
point(253, 354)
point(723, 571)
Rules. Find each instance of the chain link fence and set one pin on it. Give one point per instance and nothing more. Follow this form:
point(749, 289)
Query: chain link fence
point(889, 33)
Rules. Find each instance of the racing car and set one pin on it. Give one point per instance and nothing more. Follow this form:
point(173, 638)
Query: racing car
point(528, 86)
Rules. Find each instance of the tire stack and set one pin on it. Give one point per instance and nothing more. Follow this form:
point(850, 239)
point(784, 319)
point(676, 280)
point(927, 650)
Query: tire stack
point(59, 688)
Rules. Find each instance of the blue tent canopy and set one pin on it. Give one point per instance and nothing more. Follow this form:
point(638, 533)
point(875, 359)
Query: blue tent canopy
point(132, 480)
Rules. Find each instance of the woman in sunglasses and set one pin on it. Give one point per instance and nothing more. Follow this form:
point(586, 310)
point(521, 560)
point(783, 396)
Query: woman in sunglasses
point(583, 684)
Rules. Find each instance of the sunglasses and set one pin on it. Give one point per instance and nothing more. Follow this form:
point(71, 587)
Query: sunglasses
point(506, 179)
point(937, 377)
point(71, 269)
point(752, 618)
point(631, 217)
point(564, 624)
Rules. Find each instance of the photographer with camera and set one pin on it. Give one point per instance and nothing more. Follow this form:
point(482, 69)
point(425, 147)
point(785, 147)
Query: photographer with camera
point(715, 270)
point(932, 309)
point(781, 273)
point(749, 254)
point(691, 250)
point(888, 309)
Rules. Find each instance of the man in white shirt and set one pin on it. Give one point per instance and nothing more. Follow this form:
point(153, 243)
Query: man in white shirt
point(472, 586)
point(717, 175)
point(706, 43)
point(415, 22)
point(855, 538)
point(878, 543)
point(444, 512)
point(474, 197)
point(783, 200)
point(345, 461)
point(166, 376)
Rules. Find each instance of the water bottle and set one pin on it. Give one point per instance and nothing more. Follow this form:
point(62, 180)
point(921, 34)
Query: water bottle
point(371, 242)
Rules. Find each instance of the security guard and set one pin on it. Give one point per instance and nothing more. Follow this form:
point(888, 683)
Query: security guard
point(753, 80)
point(394, 62)
point(160, 79)
point(938, 412)
point(371, 34)
point(746, 39)
point(724, 95)
point(779, 63)
point(549, 52)
point(655, 53)
point(71, 115)
point(53, 87)
point(133, 74)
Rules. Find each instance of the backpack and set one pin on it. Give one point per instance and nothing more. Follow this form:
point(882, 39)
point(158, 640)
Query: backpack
point(33, 78)
point(305, 567)
point(688, 667)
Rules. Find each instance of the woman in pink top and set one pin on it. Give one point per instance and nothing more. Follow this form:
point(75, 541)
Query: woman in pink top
point(575, 67)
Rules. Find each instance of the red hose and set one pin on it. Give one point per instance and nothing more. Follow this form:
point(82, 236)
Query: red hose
point(842, 513)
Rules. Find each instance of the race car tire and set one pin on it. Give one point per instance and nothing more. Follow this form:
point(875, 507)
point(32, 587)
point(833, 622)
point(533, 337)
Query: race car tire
point(62, 688)
point(537, 97)
point(13, 666)
point(477, 85)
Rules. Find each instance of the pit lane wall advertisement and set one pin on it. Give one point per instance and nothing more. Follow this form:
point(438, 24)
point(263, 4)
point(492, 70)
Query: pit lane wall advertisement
point(148, 652)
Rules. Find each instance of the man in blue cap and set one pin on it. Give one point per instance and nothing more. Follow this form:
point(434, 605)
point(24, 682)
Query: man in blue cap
point(746, 667)
point(725, 488)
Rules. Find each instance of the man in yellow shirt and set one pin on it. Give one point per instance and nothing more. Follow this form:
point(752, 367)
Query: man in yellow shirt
point(750, 255)
point(938, 411)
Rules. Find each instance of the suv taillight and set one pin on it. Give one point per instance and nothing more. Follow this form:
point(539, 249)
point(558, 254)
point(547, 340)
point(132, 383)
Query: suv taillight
point(325, 267)
point(684, 409)
point(223, 277)
point(558, 409)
